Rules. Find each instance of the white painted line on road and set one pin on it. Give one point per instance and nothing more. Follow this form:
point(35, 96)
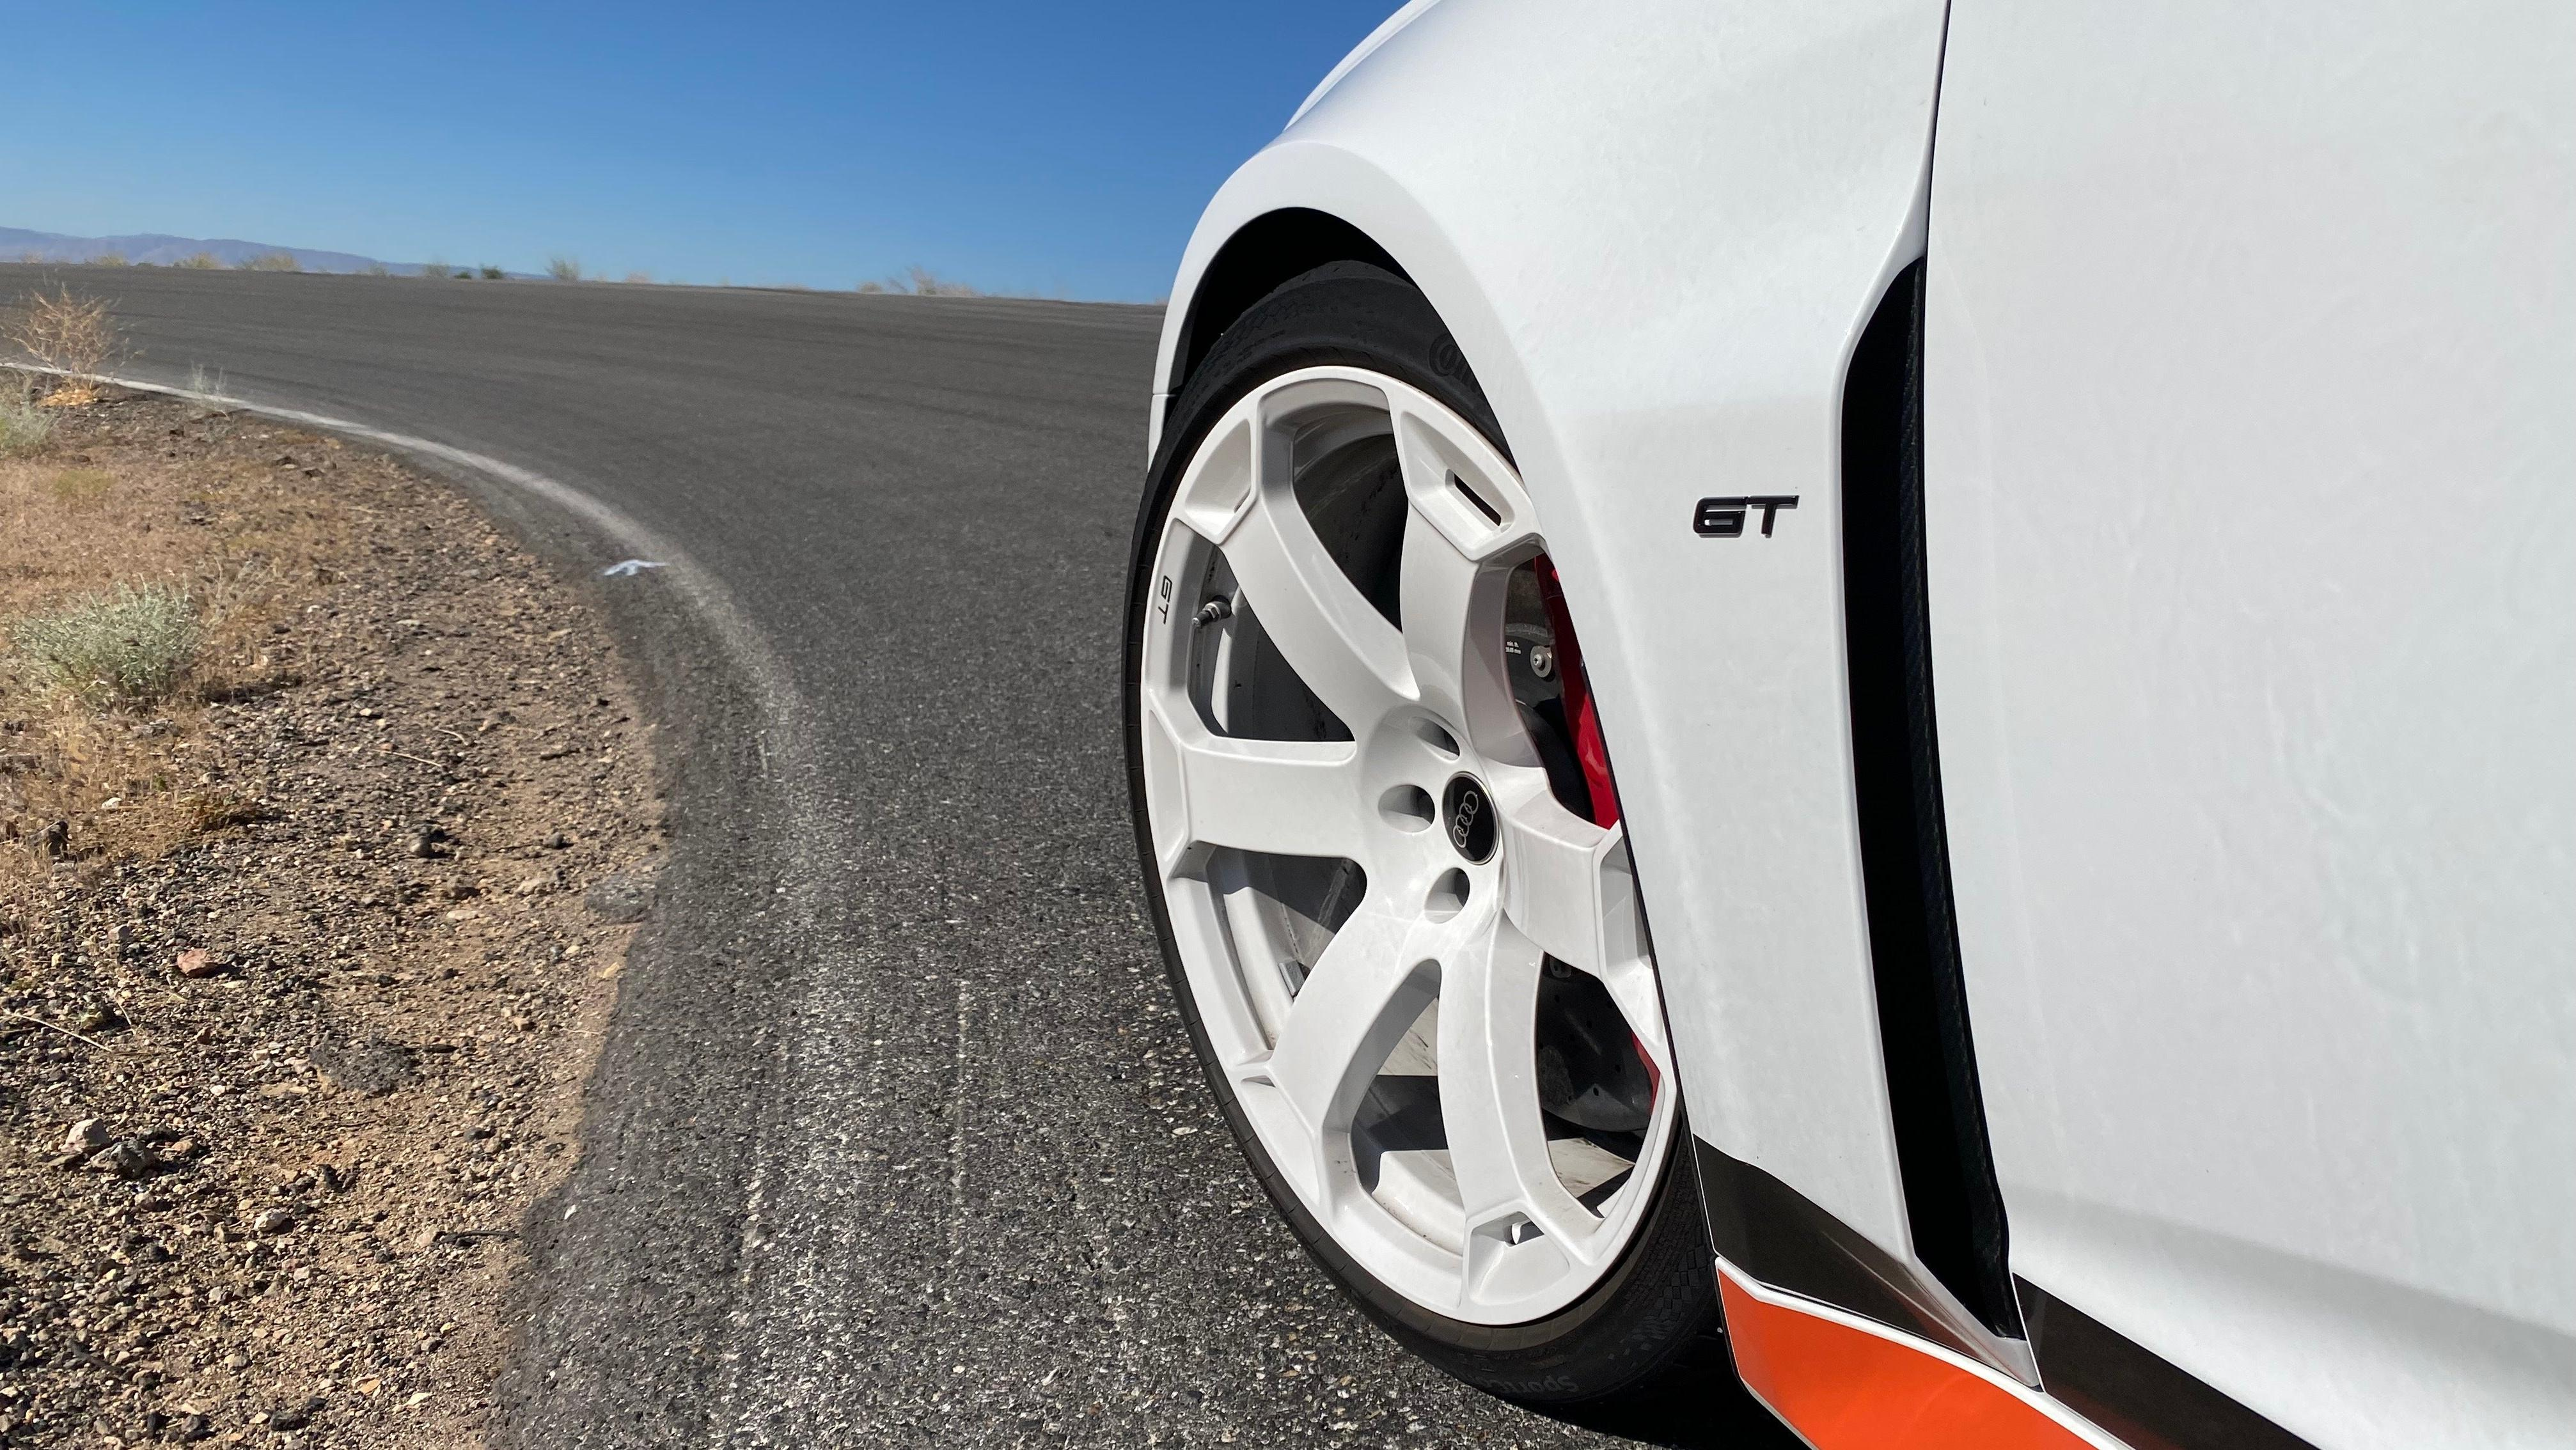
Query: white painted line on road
point(780, 704)
point(785, 741)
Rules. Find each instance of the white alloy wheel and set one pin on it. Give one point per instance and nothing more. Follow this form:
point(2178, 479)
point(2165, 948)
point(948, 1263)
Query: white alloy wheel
point(1421, 971)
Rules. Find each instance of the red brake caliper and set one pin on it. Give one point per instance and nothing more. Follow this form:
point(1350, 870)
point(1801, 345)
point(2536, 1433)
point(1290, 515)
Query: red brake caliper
point(1580, 717)
point(1584, 720)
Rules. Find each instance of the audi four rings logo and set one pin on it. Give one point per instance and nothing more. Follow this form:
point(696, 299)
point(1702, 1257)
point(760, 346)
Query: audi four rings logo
point(1471, 818)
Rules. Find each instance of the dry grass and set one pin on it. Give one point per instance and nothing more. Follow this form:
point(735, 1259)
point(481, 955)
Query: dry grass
point(245, 540)
point(200, 262)
point(273, 262)
point(920, 282)
point(108, 259)
point(205, 383)
point(925, 283)
point(207, 812)
point(75, 335)
point(564, 269)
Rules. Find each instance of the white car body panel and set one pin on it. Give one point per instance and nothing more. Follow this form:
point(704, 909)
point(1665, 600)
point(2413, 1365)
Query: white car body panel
point(2251, 541)
point(2250, 403)
point(1655, 242)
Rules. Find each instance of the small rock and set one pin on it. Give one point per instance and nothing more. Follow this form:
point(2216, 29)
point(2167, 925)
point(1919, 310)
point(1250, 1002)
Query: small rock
point(99, 1017)
point(198, 1427)
point(426, 842)
point(127, 1158)
point(537, 885)
point(369, 1069)
point(237, 1360)
point(620, 898)
point(273, 1220)
point(197, 962)
point(88, 1136)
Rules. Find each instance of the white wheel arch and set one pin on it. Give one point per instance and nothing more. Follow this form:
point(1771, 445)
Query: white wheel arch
point(1537, 174)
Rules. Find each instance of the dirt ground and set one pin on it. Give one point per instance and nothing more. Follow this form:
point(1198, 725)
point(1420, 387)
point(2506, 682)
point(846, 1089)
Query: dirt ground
point(301, 967)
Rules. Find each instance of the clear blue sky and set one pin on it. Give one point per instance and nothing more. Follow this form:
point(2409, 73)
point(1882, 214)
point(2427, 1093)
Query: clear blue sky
point(1022, 145)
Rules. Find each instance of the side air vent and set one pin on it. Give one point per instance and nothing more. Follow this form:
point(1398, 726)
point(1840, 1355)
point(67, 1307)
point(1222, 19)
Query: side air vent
point(1951, 1199)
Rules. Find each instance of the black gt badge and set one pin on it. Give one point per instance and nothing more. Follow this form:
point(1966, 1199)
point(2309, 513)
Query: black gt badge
point(1723, 518)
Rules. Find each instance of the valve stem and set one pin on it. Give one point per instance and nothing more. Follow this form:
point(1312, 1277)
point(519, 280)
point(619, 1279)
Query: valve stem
point(1214, 610)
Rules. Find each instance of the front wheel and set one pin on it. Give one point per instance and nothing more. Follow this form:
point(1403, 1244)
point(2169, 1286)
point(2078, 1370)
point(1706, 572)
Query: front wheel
point(1385, 858)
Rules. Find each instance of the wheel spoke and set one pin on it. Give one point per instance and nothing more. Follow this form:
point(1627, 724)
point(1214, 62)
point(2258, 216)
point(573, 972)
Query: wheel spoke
point(1213, 491)
point(1489, 1088)
point(1565, 880)
point(1288, 797)
point(1568, 886)
point(1361, 995)
point(1453, 633)
point(1324, 627)
point(1463, 487)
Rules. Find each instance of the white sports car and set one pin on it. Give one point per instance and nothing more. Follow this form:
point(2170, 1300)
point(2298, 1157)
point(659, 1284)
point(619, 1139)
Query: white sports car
point(1880, 699)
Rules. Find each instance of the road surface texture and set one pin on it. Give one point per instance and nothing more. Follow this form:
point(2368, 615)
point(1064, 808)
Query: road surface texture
point(896, 1139)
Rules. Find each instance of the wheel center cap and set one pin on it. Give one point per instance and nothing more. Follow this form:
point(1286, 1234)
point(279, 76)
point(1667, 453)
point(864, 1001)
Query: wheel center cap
point(1468, 813)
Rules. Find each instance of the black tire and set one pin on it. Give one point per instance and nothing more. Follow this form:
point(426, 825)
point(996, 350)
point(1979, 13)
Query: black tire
point(1649, 1330)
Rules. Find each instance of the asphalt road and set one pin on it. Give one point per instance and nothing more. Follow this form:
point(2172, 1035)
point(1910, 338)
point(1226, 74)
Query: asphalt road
point(896, 1139)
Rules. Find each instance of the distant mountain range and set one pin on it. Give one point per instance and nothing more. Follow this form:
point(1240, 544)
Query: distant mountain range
point(20, 245)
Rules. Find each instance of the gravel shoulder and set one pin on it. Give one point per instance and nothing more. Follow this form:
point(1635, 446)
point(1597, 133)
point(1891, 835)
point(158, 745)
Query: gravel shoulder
point(305, 965)
point(895, 1137)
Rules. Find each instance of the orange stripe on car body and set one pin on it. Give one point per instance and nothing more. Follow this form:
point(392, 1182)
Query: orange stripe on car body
point(1845, 1384)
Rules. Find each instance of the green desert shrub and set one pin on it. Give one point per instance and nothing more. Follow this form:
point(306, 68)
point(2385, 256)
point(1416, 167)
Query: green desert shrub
point(129, 645)
point(24, 427)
